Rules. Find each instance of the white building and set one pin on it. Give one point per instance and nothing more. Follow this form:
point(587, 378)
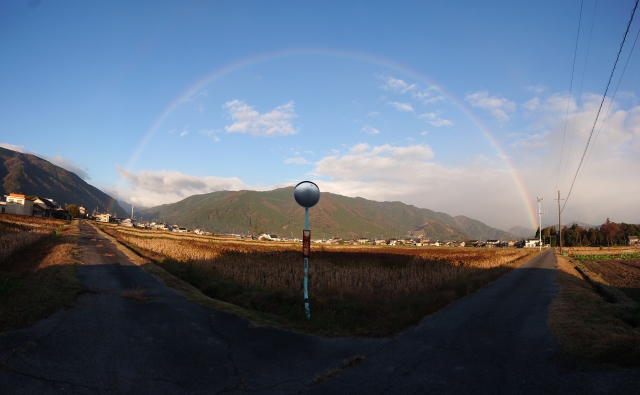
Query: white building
point(103, 217)
point(18, 204)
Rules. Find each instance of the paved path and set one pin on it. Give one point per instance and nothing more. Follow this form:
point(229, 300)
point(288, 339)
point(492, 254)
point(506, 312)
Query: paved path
point(493, 341)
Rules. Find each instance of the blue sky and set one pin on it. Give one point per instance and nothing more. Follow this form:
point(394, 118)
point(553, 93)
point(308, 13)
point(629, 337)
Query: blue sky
point(454, 106)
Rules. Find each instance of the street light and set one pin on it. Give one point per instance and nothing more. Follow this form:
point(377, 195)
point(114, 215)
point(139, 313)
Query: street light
point(307, 195)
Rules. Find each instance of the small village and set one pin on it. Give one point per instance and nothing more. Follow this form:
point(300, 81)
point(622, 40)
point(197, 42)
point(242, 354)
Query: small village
point(15, 203)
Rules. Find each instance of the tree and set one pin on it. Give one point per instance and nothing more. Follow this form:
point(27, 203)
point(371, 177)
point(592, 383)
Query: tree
point(73, 210)
point(609, 230)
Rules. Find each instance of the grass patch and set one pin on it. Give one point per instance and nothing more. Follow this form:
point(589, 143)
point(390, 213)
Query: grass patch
point(38, 278)
point(589, 327)
point(356, 291)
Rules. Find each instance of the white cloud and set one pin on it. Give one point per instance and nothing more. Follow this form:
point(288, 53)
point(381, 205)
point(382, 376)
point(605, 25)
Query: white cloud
point(537, 89)
point(497, 106)
point(248, 120)
point(184, 133)
point(370, 130)
point(424, 133)
point(435, 120)
point(603, 189)
point(57, 160)
point(210, 133)
point(408, 173)
point(297, 160)
point(404, 107)
point(532, 104)
point(426, 97)
point(396, 85)
point(151, 188)
point(373, 114)
point(174, 183)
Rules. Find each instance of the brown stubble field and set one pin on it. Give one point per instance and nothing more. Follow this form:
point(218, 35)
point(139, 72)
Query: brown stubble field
point(367, 291)
point(585, 323)
point(37, 268)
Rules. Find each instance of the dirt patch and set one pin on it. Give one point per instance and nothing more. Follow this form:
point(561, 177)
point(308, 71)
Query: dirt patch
point(623, 274)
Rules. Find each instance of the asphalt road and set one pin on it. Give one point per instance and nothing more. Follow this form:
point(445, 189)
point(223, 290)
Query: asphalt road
point(493, 341)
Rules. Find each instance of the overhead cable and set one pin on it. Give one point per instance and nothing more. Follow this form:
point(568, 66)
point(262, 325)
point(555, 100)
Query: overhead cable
point(604, 120)
point(575, 116)
point(601, 103)
point(575, 52)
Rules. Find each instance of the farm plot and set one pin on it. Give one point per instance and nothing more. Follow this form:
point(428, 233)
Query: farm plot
point(353, 291)
point(623, 274)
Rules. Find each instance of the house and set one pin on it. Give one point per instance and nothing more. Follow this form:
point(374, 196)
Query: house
point(18, 204)
point(529, 243)
point(380, 242)
point(633, 241)
point(363, 240)
point(83, 211)
point(104, 218)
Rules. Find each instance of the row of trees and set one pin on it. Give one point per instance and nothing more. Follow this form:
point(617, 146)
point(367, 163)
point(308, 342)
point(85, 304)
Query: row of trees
point(609, 233)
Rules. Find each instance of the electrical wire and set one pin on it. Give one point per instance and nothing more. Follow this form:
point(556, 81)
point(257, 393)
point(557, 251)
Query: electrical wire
point(575, 115)
point(573, 68)
point(624, 38)
point(604, 120)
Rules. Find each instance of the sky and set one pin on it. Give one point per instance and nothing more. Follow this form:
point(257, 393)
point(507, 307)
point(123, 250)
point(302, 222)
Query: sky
point(464, 107)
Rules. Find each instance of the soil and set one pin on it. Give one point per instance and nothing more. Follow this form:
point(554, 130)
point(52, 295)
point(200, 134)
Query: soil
point(623, 274)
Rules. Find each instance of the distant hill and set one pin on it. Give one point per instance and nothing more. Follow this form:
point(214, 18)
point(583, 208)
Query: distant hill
point(482, 231)
point(335, 216)
point(522, 233)
point(31, 175)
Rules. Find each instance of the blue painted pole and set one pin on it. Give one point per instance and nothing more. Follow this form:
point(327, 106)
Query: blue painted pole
point(306, 270)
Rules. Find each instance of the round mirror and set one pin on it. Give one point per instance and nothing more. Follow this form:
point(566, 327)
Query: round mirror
point(306, 194)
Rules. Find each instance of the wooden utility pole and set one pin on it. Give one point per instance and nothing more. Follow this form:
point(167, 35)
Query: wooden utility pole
point(559, 222)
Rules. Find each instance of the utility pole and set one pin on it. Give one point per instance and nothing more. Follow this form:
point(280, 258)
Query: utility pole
point(539, 223)
point(559, 222)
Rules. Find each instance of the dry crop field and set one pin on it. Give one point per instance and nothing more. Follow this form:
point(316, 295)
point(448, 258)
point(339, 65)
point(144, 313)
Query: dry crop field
point(371, 291)
point(19, 231)
point(36, 268)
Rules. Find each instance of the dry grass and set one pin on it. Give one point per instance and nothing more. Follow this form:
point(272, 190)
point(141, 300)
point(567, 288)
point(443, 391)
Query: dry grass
point(587, 326)
point(353, 291)
point(38, 280)
point(20, 231)
point(381, 271)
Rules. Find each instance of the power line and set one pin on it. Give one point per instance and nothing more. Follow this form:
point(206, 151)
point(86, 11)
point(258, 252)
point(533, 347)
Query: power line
point(602, 102)
point(575, 116)
point(573, 68)
point(604, 120)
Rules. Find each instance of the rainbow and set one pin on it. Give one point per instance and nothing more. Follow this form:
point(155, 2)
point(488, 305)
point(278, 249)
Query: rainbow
point(235, 66)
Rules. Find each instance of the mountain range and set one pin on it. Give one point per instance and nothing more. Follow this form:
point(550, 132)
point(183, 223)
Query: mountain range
point(247, 212)
point(31, 175)
point(335, 215)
